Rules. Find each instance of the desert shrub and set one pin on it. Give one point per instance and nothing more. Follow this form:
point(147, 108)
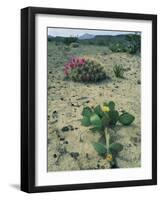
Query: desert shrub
point(118, 70)
point(84, 70)
point(117, 47)
point(131, 44)
point(74, 44)
point(134, 43)
point(69, 40)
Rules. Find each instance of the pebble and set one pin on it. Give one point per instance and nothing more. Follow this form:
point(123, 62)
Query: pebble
point(138, 82)
point(74, 155)
point(55, 121)
point(65, 129)
point(54, 155)
point(62, 138)
point(71, 127)
point(55, 114)
point(75, 105)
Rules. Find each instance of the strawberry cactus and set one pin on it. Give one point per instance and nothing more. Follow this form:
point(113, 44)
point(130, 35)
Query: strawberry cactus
point(84, 70)
point(102, 119)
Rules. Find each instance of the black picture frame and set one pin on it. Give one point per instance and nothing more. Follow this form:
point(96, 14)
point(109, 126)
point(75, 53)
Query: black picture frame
point(28, 99)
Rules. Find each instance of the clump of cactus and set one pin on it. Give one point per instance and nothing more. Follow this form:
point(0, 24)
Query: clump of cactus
point(118, 70)
point(84, 70)
point(103, 119)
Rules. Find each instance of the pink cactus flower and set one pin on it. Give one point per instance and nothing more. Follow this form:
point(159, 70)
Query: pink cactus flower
point(81, 62)
point(71, 65)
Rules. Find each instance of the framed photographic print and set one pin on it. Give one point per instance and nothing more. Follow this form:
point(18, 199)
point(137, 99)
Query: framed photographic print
point(88, 99)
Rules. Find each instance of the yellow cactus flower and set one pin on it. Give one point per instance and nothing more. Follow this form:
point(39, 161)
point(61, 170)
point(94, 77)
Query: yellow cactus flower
point(109, 157)
point(105, 109)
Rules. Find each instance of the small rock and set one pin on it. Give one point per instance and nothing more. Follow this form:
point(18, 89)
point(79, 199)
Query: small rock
point(116, 86)
point(71, 127)
point(75, 105)
point(74, 155)
point(61, 142)
point(54, 155)
point(65, 129)
point(138, 82)
point(62, 139)
point(53, 122)
point(55, 114)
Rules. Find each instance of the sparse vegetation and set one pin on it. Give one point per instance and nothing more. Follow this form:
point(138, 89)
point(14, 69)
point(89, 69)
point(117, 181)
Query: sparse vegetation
point(118, 70)
point(130, 43)
point(104, 136)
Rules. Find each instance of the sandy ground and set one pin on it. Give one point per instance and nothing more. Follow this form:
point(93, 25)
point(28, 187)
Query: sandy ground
point(69, 143)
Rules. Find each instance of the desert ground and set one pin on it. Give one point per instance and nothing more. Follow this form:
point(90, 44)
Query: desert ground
point(69, 143)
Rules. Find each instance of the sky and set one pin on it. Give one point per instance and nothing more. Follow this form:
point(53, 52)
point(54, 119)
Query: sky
point(67, 32)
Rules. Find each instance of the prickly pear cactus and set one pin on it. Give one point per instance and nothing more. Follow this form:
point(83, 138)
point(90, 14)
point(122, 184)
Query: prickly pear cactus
point(84, 70)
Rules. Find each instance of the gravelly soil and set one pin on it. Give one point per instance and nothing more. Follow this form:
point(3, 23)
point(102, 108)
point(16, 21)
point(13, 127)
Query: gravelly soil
point(70, 148)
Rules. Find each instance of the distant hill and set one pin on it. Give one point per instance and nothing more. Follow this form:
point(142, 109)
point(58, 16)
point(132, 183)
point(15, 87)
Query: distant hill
point(86, 36)
point(87, 39)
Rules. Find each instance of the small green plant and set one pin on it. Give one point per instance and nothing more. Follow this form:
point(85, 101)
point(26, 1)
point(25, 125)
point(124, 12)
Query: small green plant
point(118, 70)
point(102, 119)
point(84, 70)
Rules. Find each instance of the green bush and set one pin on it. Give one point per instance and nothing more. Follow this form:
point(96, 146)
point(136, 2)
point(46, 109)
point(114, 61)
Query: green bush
point(135, 43)
point(117, 47)
point(132, 44)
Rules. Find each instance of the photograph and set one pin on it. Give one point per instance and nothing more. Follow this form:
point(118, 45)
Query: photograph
point(93, 99)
